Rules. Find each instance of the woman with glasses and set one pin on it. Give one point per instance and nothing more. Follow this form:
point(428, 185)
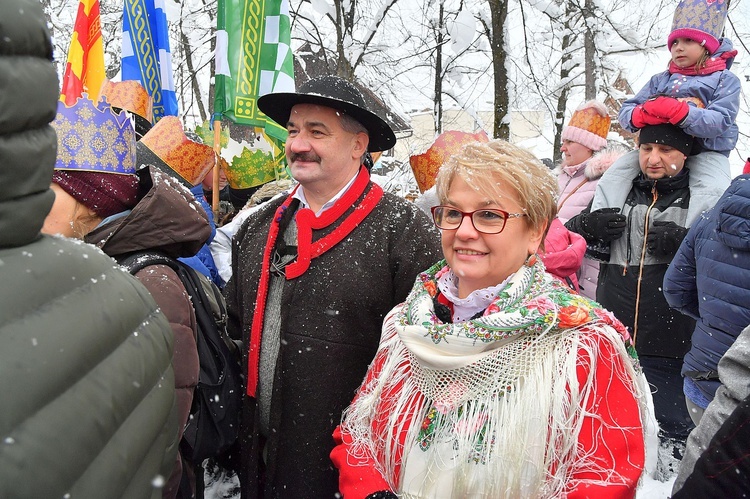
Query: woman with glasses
point(493, 380)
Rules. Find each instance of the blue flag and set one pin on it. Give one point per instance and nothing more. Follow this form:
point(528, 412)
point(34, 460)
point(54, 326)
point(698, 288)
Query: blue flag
point(145, 53)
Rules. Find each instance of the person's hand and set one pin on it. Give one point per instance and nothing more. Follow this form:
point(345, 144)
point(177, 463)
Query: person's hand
point(668, 108)
point(606, 224)
point(664, 238)
point(640, 118)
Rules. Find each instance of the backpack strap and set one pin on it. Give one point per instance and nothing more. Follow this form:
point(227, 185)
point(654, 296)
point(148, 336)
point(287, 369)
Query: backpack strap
point(139, 260)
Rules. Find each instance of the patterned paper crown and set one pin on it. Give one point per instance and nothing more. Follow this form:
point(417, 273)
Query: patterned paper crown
point(93, 137)
point(701, 21)
point(167, 147)
point(425, 166)
point(132, 97)
point(253, 168)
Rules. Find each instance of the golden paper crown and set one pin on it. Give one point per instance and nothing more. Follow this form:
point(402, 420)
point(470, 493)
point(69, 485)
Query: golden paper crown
point(425, 166)
point(180, 156)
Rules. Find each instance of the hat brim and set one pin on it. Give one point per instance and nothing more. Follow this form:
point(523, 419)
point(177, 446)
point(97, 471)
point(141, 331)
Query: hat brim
point(278, 107)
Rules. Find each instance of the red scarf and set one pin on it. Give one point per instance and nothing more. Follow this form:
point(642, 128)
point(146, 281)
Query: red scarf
point(713, 64)
point(306, 251)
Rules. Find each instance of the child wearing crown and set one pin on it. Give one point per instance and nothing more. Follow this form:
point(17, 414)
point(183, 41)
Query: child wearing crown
point(697, 92)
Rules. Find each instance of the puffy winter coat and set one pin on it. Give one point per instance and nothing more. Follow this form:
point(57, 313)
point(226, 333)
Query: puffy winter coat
point(167, 219)
point(87, 401)
point(716, 456)
point(630, 282)
point(577, 185)
point(714, 126)
point(708, 278)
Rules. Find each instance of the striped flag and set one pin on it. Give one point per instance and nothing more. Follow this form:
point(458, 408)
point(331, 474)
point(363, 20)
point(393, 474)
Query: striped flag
point(84, 71)
point(145, 53)
point(253, 58)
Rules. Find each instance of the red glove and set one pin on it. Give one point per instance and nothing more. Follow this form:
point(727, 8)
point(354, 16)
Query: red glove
point(669, 108)
point(641, 118)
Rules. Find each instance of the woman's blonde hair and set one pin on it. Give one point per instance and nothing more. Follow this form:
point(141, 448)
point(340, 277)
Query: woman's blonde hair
point(482, 164)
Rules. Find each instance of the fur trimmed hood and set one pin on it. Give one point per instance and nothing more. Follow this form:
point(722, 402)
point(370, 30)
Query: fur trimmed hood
point(602, 160)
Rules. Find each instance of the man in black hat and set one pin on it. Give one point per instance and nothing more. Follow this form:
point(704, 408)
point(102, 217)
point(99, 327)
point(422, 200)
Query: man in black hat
point(314, 274)
point(636, 242)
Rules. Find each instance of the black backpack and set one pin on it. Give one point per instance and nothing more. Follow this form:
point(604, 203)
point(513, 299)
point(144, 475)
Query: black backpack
point(214, 419)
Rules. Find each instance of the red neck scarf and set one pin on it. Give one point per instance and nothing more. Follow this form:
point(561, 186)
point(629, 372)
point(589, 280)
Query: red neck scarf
point(713, 64)
point(307, 250)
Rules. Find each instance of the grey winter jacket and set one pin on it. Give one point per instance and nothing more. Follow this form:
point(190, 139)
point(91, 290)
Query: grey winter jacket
point(87, 400)
point(734, 372)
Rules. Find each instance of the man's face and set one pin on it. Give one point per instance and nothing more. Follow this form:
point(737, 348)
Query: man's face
point(320, 153)
point(660, 161)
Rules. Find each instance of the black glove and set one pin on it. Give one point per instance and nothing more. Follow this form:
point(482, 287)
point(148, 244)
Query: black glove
point(664, 238)
point(604, 225)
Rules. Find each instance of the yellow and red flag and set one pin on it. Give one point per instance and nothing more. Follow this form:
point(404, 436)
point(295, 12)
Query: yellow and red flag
point(84, 71)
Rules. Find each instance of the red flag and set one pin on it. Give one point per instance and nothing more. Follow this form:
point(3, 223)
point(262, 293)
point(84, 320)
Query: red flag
point(84, 71)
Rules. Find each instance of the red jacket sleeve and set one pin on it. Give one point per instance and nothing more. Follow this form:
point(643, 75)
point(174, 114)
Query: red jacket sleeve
point(358, 477)
point(613, 431)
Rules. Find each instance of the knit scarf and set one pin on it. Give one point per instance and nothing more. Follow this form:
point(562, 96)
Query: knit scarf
point(307, 250)
point(713, 64)
point(490, 407)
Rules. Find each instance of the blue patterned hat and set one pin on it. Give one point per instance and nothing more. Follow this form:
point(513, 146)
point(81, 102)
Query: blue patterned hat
point(701, 21)
point(93, 137)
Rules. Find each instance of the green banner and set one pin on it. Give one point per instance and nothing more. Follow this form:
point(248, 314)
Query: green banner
point(253, 58)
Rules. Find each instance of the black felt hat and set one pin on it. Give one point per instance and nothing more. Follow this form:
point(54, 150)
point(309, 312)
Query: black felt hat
point(336, 93)
point(667, 134)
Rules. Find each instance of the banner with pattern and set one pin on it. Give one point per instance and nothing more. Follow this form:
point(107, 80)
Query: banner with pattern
point(84, 70)
point(253, 58)
point(145, 53)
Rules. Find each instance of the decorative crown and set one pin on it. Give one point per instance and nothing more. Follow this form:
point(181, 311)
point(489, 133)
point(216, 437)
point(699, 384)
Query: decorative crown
point(252, 168)
point(129, 95)
point(174, 153)
point(425, 166)
point(93, 137)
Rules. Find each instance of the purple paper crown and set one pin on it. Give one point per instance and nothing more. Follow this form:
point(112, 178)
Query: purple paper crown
point(92, 137)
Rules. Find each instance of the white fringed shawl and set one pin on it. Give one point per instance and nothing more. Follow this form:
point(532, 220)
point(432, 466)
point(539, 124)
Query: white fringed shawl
point(494, 406)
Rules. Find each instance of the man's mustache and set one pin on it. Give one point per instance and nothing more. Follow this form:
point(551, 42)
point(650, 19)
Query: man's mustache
point(306, 157)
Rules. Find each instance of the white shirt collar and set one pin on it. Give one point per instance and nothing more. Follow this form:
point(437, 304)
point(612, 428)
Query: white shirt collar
point(466, 308)
point(300, 195)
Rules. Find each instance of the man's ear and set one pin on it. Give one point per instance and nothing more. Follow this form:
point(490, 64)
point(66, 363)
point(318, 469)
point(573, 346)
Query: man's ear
point(361, 141)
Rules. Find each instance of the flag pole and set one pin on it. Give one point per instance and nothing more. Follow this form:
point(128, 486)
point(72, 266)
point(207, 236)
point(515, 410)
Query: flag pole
point(215, 173)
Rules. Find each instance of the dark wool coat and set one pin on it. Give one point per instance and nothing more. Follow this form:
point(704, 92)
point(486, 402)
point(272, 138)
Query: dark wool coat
point(87, 402)
point(330, 327)
point(708, 280)
point(167, 219)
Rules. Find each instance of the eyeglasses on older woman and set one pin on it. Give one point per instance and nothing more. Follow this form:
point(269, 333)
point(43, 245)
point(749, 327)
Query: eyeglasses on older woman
point(486, 221)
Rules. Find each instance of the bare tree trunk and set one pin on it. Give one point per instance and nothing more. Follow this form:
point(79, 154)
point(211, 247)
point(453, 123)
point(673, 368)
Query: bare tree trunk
point(499, 12)
point(562, 99)
point(192, 74)
point(589, 50)
point(437, 112)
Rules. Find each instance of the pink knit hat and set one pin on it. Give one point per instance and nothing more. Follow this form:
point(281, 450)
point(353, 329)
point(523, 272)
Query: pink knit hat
point(589, 125)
